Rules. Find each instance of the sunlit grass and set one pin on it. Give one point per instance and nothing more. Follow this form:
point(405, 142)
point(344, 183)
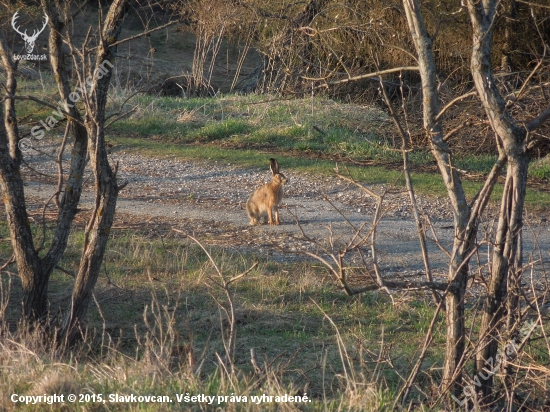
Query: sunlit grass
point(307, 134)
point(282, 312)
point(312, 133)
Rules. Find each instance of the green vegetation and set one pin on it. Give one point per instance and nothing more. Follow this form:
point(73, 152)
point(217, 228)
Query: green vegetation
point(159, 321)
point(159, 327)
point(158, 330)
point(307, 134)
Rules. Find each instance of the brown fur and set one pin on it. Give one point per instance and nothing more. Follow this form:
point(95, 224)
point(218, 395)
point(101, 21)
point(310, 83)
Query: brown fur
point(264, 202)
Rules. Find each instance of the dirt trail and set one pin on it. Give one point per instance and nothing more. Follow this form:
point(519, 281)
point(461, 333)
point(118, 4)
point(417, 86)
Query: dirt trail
point(208, 199)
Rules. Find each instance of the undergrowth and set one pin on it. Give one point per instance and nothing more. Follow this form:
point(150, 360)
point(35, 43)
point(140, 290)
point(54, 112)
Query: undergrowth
point(157, 327)
point(160, 324)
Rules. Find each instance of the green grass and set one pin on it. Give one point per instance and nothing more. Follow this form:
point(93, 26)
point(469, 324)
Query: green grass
point(305, 134)
point(308, 134)
point(158, 296)
point(281, 310)
point(303, 125)
point(426, 183)
point(540, 169)
point(161, 295)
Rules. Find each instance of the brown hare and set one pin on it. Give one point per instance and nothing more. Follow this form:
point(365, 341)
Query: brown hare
point(264, 202)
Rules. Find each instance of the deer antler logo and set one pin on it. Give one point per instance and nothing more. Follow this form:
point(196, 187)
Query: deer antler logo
point(29, 40)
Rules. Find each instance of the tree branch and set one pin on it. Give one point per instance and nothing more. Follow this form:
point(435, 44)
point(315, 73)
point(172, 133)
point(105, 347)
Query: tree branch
point(51, 106)
point(452, 103)
point(137, 36)
point(533, 4)
point(373, 74)
point(539, 120)
point(452, 132)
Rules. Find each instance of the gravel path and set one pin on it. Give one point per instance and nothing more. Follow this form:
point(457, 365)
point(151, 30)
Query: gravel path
point(208, 198)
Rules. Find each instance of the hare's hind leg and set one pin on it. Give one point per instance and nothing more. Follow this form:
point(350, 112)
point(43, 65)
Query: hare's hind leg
point(252, 213)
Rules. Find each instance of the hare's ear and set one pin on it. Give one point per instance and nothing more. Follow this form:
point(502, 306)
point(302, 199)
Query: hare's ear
point(274, 166)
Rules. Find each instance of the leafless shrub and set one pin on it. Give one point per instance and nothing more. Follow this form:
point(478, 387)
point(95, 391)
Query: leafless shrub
point(164, 347)
point(222, 283)
point(518, 370)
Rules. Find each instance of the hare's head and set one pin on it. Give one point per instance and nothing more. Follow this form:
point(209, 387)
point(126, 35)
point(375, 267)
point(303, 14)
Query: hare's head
point(278, 177)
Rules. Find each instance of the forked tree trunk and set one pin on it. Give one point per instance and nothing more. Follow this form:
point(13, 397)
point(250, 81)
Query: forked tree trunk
point(506, 259)
point(34, 271)
point(466, 216)
point(99, 226)
point(89, 138)
point(513, 148)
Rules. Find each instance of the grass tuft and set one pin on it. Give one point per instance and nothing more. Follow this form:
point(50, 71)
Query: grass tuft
point(159, 330)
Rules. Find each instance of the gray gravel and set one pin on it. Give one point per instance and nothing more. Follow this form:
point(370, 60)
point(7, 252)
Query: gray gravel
point(209, 197)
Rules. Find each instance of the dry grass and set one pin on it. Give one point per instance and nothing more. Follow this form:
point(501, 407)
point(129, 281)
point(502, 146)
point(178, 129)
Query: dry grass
point(159, 326)
point(156, 328)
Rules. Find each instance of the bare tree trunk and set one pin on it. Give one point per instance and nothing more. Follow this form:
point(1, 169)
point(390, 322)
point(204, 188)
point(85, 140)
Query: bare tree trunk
point(28, 262)
point(35, 272)
point(99, 226)
point(89, 136)
point(514, 146)
point(466, 216)
point(458, 269)
point(73, 188)
point(26, 257)
point(96, 236)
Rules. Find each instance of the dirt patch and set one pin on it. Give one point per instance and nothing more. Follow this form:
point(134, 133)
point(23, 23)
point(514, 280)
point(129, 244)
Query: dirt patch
point(207, 200)
point(168, 198)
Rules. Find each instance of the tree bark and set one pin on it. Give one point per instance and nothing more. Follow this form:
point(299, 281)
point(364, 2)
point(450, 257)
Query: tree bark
point(506, 253)
point(34, 271)
point(89, 138)
point(98, 228)
point(73, 188)
point(11, 183)
point(458, 269)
